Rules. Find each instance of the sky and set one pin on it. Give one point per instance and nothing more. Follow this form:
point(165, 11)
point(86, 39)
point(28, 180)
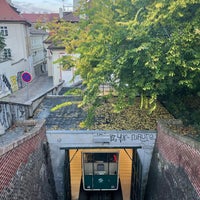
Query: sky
point(40, 6)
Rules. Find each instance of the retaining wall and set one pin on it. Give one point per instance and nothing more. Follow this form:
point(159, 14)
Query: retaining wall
point(175, 168)
point(25, 166)
point(10, 111)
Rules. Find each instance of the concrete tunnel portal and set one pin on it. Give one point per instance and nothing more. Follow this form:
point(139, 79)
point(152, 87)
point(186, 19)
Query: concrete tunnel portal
point(135, 146)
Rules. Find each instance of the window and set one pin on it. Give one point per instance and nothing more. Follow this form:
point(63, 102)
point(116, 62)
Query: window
point(100, 167)
point(7, 53)
point(4, 30)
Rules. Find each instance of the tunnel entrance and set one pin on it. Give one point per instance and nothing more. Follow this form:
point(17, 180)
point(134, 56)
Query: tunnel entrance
point(129, 174)
point(135, 149)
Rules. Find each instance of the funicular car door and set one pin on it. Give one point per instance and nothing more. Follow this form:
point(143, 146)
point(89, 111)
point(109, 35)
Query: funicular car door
point(100, 171)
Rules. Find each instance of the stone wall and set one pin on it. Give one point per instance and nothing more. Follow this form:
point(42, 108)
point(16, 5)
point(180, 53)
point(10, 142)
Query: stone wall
point(25, 166)
point(175, 167)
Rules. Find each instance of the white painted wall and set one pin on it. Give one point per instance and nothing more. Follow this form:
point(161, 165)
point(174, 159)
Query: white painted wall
point(27, 52)
point(4, 67)
point(58, 73)
point(37, 49)
point(56, 67)
point(18, 40)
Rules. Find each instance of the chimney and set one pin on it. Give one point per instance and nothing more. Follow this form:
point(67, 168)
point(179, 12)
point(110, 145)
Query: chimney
point(60, 13)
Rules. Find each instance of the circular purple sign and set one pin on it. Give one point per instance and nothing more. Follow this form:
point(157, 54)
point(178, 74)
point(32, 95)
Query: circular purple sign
point(26, 77)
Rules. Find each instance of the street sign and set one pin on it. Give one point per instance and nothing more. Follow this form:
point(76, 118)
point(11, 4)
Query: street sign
point(26, 77)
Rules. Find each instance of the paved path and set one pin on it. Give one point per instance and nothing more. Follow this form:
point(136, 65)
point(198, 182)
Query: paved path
point(65, 118)
point(31, 91)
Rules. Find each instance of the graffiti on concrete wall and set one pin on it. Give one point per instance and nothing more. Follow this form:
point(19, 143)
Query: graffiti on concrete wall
point(5, 86)
point(20, 82)
point(121, 137)
point(20, 112)
point(5, 115)
point(9, 113)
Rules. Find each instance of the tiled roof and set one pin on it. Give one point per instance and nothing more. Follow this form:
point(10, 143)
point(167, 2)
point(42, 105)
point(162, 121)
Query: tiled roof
point(55, 47)
point(8, 13)
point(34, 17)
point(70, 17)
point(35, 31)
point(48, 17)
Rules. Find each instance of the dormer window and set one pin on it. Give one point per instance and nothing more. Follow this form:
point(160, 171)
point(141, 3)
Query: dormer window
point(4, 30)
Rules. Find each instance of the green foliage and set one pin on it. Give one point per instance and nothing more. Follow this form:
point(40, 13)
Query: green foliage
point(59, 106)
point(73, 91)
point(145, 48)
point(184, 105)
point(90, 118)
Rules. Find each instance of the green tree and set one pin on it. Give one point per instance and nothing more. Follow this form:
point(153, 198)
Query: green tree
point(164, 47)
point(139, 47)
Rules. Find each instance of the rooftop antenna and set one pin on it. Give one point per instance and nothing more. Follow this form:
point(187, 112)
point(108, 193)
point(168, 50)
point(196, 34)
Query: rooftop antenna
point(63, 5)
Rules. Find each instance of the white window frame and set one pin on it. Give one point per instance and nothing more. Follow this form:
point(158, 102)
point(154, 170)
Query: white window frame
point(4, 30)
point(7, 53)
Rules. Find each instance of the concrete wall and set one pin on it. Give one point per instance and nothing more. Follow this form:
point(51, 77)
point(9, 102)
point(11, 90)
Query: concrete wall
point(56, 70)
point(10, 112)
point(58, 160)
point(18, 42)
point(88, 139)
point(18, 35)
point(175, 167)
point(25, 166)
point(13, 77)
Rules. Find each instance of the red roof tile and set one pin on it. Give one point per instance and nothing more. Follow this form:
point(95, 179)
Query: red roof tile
point(34, 18)
point(9, 13)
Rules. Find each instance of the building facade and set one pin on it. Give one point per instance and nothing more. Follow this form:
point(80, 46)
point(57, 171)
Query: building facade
point(15, 57)
point(24, 50)
point(55, 52)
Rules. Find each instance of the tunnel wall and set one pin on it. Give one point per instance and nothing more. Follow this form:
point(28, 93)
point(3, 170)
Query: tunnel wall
point(175, 166)
point(25, 167)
